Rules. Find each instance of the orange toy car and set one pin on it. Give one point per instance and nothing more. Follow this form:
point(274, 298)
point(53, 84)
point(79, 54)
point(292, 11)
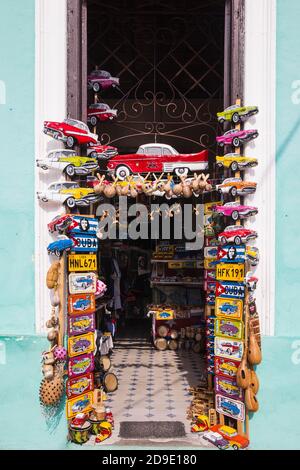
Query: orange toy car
point(236, 187)
point(236, 441)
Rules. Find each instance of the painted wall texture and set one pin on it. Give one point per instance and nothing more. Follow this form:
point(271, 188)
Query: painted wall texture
point(288, 169)
point(17, 49)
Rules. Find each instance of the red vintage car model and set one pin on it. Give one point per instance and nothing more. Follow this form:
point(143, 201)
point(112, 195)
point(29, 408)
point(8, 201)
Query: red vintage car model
point(61, 223)
point(70, 131)
point(101, 80)
point(157, 158)
point(236, 234)
point(101, 151)
point(100, 112)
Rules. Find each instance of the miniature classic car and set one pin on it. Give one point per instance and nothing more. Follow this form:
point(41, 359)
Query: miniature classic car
point(227, 387)
point(79, 419)
point(80, 325)
point(80, 387)
point(251, 281)
point(229, 348)
point(157, 158)
point(237, 113)
point(230, 407)
point(68, 162)
point(102, 152)
point(81, 345)
point(252, 255)
point(84, 281)
point(70, 193)
point(59, 246)
point(228, 368)
point(228, 309)
point(99, 80)
point(60, 223)
point(236, 441)
point(80, 405)
point(81, 304)
point(236, 234)
point(237, 138)
point(100, 112)
point(236, 211)
point(216, 439)
point(235, 161)
point(236, 186)
point(70, 131)
point(229, 330)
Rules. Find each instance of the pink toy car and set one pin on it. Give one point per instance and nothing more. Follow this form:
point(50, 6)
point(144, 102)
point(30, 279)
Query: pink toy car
point(99, 80)
point(70, 131)
point(237, 138)
point(100, 112)
point(236, 211)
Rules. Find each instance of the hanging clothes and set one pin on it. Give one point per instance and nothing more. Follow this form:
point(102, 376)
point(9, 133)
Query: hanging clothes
point(116, 302)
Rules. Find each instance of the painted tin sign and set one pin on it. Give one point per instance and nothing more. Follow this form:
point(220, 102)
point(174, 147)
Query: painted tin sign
point(211, 241)
point(80, 404)
point(210, 286)
point(84, 224)
point(229, 388)
point(84, 243)
point(229, 308)
point(208, 207)
point(226, 368)
point(79, 385)
point(82, 344)
point(230, 272)
point(232, 290)
point(79, 303)
point(210, 274)
point(229, 328)
point(210, 298)
point(80, 365)
point(229, 407)
point(209, 263)
point(82, 263)
point(228, 348)
point(167, 314)
point(231, 254)
point(80, 283)
point(80, 324)
point(211, 252)
point(184, 264)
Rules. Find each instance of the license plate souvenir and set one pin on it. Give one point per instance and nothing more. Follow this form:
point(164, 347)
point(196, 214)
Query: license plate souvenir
point(232, 290)
point(82, 344)
point(85, 243)
point(211, 241)
point(229, 328)
point(80, 324)
point(229, 308)
point(210, 286)
point(211, 252)
point(80, 404)
point(210, 298)
point(84, 224)
point(228, 387)
point(231, 254)
point(79, 385)
point(81, 303)
point(81, 283)
point(164, 315)
point(232, 408)
point(230, 272)
point(80, 365)
point(82, 263)
point(210, 274)
point(226, 368)
point(210, 263)
point(228, 348)
point(208, 207)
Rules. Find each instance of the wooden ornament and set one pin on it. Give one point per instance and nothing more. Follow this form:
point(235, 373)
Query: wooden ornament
point(162, 331)
point(173, 344)
point(243, 375)
point(110, 382)
point(251, 400)
point(48, 371)
point(254, 382)
point(52, 335)
point(161, 344)
point(254, 352)
point(186, 188)
point(109, 191)
point(105, 363)
point(99, 188)
point(51, 391)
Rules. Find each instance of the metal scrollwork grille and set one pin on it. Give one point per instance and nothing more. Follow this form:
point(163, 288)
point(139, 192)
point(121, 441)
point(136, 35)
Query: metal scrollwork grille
point(170, 63)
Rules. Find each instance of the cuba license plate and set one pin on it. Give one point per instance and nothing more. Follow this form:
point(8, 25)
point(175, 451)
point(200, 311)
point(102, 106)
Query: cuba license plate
point(82, 263)
point(85, 243)
point(231, 290)
point(230, 272)
point(231, 254)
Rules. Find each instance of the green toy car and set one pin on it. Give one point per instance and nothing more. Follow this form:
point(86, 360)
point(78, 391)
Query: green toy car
point(237, 113)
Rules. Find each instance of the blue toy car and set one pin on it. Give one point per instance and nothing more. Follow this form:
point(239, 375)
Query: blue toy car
point(230, 407)
point(81, 304)
point(59, 246)
point(84, 282)
point(228, 309)
point(80, 405)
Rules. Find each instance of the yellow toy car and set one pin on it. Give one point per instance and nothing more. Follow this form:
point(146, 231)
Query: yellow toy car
point(235, 161)
point(252, 254)
point(229, 368)
point(69, 193)
point(201, 424)
point(68, 162)
point(237, 113)
point(105, 433)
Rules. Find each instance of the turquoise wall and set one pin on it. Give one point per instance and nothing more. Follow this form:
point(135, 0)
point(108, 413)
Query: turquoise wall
point(17, 26)
point(288, 169)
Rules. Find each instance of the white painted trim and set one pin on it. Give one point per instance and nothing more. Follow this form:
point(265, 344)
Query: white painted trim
point(260, 89)
point(50, 104)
